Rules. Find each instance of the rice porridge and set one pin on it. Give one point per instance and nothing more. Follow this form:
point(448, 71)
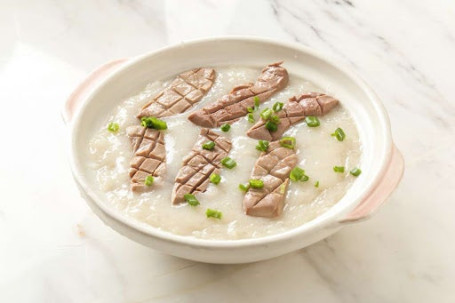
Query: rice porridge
point(316, 149)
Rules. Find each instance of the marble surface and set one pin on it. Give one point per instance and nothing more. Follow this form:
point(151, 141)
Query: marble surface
point(54, 249)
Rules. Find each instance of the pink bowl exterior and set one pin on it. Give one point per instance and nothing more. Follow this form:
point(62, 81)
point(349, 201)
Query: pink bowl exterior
point(379, 195)
point(83, 89)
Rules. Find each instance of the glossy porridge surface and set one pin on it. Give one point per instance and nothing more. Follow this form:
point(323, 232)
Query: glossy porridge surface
point(317, 151)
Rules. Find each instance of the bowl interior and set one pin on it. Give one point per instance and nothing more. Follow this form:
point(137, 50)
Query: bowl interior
point(368, 113)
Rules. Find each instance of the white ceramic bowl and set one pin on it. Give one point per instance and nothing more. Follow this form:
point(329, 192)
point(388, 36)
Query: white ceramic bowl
point(382, 165)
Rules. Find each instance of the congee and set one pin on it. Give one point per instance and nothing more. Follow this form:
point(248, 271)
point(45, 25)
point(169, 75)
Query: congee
point(228, 152)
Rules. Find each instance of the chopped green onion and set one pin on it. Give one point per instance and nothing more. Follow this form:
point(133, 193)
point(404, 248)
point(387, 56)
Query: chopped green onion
point(250, 109)
point(266, 113)
point(296, 174)
point(263, 145)
point(277, 106)
point(338, 169)
point(228, 162)
point(316, 184)
point(355, 172)
point(211, 213)
point(271, 126)
point(256, 183)
point(244, 187)
point(191, 199)
point(251, 118)
point(215, 178)
point(152, 122)
point(149, 180)
point(288, 142)
point(339, 134)
point(312, 121)
point(275, 119)
point(305, 178)
point(159, 124)
point(225, 127)
point(209, 145)
point(256, 101)
point(113, 127)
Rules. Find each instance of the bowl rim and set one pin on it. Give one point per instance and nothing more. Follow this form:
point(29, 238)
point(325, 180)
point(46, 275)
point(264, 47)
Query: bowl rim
point(317, 223)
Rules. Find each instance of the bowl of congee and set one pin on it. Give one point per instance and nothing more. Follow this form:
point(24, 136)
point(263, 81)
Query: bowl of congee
point(230, 150)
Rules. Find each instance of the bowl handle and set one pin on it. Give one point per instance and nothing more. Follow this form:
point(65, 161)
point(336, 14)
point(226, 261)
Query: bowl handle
point(382, 191)
point(87, 86)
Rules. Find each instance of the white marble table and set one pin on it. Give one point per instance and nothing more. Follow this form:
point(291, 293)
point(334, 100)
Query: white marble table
point(54, 249)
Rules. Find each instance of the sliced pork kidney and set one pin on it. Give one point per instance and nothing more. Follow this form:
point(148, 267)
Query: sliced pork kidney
point(197, 167)
point(233, 106)
point(187, 89)
point(298, 107)
point(149, 156)
point(273, 168)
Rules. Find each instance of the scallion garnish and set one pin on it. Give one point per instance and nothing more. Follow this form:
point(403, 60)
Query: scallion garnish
point(271, 126)
point(113, 127)
point(266, 113)
point(275, 119)
point(225, 127)
point(149, 180)
point(312, 121)
point(191, 199)
point(250, 109)
point(288, 142)
point(338, 169)
point(228, 162)
point(277, 107)
point(316, 184)
point(215, 178)
point(263, 145)
point(211, 213)
point(244, 187)
point(355, 172)
point(256, 183)
point(339, 134)
point(251, 118)
point(296, 174)
point(152, 122)
point(209, 145)
point(256, 101)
